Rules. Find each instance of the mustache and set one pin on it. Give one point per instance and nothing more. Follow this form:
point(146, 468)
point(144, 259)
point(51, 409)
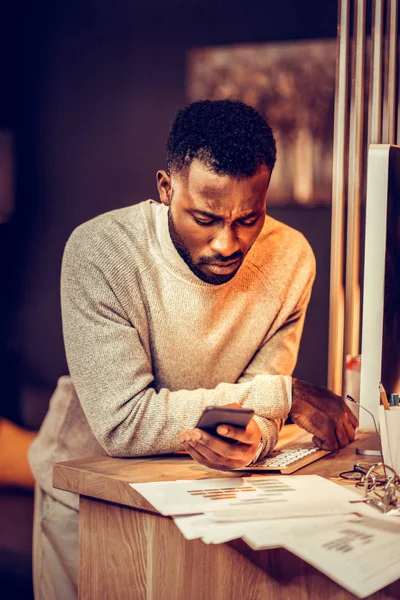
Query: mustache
point(218, 258)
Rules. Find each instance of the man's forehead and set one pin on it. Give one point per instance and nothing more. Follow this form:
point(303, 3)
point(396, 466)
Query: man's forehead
point(219, 207)
point(209, 190)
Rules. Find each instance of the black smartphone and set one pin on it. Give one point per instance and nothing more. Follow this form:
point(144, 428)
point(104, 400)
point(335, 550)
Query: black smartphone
point(213, 416)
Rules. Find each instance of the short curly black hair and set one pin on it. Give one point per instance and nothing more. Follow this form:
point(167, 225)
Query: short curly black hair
point(229, 136)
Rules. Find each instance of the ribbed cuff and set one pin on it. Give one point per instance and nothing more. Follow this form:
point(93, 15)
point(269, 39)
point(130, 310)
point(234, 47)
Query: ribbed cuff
point(288, 382)
point(269, 436)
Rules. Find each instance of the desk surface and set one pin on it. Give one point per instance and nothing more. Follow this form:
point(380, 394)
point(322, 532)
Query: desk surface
point(107, 478)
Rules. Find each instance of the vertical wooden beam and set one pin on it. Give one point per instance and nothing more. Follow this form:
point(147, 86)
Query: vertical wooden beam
point(392, 70)
point(352, 287)
point(375, 136)
point(336, 307)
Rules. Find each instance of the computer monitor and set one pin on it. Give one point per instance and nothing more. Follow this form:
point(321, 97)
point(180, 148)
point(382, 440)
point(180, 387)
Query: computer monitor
point(380, 350)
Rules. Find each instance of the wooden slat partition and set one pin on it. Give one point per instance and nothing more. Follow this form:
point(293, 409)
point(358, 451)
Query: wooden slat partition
point(380, 123)
point(336, 312)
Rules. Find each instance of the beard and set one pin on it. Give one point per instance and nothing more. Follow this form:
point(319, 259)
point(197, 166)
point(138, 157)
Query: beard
point(195, 267)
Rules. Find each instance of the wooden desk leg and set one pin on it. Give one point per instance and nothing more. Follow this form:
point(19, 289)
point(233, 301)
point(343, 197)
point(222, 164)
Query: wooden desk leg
point(126, 554)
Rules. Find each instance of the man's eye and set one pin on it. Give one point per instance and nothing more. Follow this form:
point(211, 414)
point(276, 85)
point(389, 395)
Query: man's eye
point(204, 223)
point(248, 223)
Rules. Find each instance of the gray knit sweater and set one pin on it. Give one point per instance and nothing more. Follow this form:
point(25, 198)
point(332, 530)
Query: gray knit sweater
point(149, 345)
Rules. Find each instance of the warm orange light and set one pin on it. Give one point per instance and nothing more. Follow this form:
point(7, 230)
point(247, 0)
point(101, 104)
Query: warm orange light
point(14, 444)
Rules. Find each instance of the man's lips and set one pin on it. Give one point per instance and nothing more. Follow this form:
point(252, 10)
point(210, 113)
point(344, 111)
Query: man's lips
point(223, 268)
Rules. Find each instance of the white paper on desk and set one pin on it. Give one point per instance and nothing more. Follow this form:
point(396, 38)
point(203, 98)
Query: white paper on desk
point(362, 557)
point(278, 533)
point(192, 527)
point(248, 498)
point(301, 509)
point(191, 497)
point(200, 527)
point(309, 495)
point(259, 535)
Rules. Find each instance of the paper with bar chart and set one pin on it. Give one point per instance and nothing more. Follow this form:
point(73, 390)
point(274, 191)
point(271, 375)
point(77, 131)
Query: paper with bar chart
point(245, 498)
point(322, 522)
point(361, 556)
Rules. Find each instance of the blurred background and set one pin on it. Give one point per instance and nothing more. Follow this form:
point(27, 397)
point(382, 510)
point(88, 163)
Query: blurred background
point(88, 91)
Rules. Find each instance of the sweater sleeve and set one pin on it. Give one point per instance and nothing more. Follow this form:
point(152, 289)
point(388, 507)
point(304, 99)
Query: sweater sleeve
point(277, 356)
point(112, 372)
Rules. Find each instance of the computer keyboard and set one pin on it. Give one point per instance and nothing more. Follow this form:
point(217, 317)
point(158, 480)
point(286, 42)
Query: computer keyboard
point(288, 461)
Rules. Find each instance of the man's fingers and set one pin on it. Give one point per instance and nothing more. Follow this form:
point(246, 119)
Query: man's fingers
point(217, 445)
point(325, 445)
point(352, 418)
point(349, 427)
point(307, 422)
point(215, 450)
point(210, 461)
point(206, 451)
point(198, 457)
point(233, 405)
point(317, 442)
point(184, 436)
point(245, 436)
point(223, 453)
point(341, 435)
point(333, 432)
point(220, 452)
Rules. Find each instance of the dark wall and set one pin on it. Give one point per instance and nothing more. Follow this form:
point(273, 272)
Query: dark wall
point(97, 86)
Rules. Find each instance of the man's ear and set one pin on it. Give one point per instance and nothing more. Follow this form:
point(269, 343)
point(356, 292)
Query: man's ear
point(164, 187)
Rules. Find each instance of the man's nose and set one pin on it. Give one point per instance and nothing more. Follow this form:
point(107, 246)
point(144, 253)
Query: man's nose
point(225, 242)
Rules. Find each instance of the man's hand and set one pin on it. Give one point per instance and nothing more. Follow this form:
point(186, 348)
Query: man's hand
point(215, 453)
point(323, 414)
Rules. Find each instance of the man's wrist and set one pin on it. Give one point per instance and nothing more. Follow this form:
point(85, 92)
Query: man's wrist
point(255, 458)
point(289, 390)
point(261, 443)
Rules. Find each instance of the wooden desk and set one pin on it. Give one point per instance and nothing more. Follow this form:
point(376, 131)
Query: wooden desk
point(129, 551)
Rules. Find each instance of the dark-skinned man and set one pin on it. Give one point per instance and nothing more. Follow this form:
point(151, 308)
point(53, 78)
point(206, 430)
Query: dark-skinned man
point(171, 307)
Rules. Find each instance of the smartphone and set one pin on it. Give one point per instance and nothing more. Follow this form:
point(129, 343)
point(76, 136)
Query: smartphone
point(213, 416)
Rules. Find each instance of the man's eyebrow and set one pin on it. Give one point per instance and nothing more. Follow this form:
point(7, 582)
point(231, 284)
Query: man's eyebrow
point(253, 213)
point(204, 213)
point(210, 215)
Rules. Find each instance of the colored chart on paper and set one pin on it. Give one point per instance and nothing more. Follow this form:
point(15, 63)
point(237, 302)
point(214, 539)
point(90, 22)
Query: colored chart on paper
point(238, 494)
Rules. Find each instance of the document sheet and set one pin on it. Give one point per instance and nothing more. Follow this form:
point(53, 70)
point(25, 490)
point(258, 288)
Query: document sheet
point(308, 515)
point(249, 498)
point(201, 527)
point(361, 556)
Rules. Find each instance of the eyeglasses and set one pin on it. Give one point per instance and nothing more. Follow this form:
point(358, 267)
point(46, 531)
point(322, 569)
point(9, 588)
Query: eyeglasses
point(359, 472)
point(380, 482)
point(381, 485)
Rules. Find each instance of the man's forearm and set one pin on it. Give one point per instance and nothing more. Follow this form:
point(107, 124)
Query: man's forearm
point(149, 422)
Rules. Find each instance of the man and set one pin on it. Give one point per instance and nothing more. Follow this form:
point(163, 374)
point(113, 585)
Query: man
point(172, 307)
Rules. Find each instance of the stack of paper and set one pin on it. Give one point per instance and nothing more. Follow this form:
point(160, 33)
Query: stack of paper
point(307, 514)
